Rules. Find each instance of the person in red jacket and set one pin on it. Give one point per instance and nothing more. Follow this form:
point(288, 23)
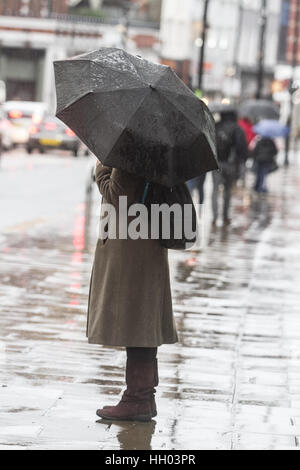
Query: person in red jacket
point(247, 127)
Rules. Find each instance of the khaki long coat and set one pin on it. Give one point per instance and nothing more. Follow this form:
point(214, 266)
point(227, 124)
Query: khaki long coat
point(130, 302)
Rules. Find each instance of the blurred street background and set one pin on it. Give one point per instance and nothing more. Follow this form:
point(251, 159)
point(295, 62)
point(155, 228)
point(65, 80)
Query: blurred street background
point(233, 380)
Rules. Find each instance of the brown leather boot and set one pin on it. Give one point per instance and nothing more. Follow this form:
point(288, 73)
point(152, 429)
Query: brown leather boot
point(156, 383)
point(135, 404)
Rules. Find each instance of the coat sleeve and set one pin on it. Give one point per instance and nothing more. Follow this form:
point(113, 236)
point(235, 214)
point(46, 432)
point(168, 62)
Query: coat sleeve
point(103, 174)
point(113, 183)
point(106, 185)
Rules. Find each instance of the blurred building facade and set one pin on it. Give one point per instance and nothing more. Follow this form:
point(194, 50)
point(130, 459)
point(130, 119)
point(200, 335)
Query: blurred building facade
point(232, 46)
point(177, 36)
point(41, 8)
point(34, 33)
point(288, 66)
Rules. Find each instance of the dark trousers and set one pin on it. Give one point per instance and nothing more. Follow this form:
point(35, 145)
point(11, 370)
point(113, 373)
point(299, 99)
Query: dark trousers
point(141, 354)
point(198, 185)
point(262, 172)
point(222, 179)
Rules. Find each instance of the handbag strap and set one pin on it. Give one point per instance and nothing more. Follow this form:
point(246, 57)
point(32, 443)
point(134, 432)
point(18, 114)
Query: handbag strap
point(145, 193)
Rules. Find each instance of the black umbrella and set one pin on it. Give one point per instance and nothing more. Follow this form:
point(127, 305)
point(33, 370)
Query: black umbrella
point(136, 115)
point(257, 110)
point(221, 108)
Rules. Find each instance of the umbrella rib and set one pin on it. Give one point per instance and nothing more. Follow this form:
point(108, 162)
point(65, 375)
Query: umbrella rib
point(183, 90)
point(120, 89)
point(73, 102)
point(135, 68)
point(178, 109)
point(162, 76)
point(184, 114)
point(98, 91)
point(131, 117)
point(141, 77)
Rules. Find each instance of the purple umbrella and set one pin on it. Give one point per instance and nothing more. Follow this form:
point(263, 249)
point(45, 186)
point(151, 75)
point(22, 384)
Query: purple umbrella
point(271, 129)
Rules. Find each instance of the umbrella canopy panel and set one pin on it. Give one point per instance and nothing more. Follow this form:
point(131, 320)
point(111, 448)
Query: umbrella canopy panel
point(85, 74)
point(259, 109)
point(175, 157)
point(136, 115)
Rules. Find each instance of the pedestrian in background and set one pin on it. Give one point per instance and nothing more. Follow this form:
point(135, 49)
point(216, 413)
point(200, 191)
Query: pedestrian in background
point(232, 153)
point(264, 157)
point(130, 302)
point(248, 129)
point(197, 184)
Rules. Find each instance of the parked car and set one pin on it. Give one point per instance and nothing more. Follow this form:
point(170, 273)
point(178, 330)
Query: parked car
point(51, 133)
point(19, 117)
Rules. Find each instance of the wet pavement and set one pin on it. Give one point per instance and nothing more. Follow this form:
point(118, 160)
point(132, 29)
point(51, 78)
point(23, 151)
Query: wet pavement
point(233, 381)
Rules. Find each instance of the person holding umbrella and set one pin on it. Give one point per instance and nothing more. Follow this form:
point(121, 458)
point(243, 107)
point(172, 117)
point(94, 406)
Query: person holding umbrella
point(145, 127)
point(130, 302)
point(265, 151)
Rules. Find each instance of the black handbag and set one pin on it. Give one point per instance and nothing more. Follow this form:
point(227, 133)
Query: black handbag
point(185, 222)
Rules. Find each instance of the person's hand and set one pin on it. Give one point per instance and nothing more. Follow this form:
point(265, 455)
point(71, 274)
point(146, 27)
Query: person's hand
point(98, 163)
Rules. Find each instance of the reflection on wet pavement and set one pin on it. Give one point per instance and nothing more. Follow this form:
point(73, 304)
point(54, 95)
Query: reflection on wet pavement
point(131, 436)
point(233, 381)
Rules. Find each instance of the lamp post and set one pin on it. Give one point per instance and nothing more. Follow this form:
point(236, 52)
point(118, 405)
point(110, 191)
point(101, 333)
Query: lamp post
point(123, 27)
point(49, 8)
point(203, 44)
point(238, 35)
point(261, 52)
